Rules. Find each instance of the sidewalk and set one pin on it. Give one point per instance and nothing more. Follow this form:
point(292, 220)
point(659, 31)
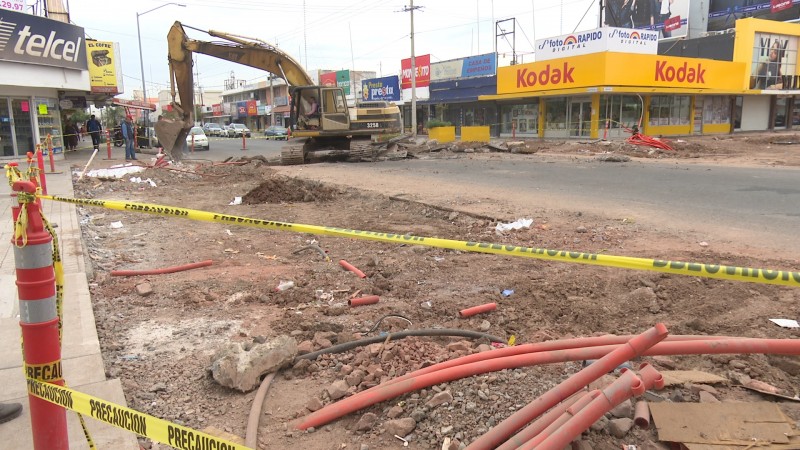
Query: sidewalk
point(82, 362)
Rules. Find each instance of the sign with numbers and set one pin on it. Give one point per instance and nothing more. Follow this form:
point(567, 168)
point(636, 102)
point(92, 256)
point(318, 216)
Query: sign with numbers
point(13, 5)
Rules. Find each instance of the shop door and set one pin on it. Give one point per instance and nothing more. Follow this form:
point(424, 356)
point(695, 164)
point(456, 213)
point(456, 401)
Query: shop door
point(580, 118)
point(22, 126)
point(6, 130)
point(698, 115)
point(781, 106)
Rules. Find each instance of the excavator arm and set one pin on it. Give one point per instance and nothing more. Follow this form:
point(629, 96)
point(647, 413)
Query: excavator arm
point(172, 132)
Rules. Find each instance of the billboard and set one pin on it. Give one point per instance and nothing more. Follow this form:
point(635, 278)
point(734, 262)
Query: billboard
point(422, 64)
point(327, 79)
point(611, 39)
point(102, 66)
point(722, 14)
point(669, 17)
point(386, 88)
point(343, 80)
point(32, 39)
point(774, 64)
point(472, 66)
point(13, 5)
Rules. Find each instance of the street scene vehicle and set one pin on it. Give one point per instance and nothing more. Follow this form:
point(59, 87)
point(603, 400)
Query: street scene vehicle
point(197, 139)
point(320, 115)
point(239, 130)
point(276, 132)
point(212, 129)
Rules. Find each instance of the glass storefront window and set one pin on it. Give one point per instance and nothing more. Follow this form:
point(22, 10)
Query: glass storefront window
point(716, 109)
point(556, 114)
point(795, 112)
point(520, 119)
point(670, 110)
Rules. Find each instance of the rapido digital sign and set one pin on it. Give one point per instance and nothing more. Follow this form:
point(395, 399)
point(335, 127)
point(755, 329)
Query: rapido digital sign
point(36, 40)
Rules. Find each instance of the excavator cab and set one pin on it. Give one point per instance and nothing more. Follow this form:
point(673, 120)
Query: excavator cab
point(319, 110)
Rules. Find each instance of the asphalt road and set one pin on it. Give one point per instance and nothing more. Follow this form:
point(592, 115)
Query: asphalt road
point(759, 205)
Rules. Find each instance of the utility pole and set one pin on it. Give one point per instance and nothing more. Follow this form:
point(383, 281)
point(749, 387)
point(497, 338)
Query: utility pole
point(411, 9)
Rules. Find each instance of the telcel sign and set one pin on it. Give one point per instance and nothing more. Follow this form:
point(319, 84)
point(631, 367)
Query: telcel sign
point(36, 40)
point(607, 39)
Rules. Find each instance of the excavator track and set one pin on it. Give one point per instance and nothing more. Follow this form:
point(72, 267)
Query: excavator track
point(359, 151)
point(292, 155)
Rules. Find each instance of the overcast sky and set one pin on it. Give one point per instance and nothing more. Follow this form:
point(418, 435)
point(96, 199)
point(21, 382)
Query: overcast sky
point(327, 34)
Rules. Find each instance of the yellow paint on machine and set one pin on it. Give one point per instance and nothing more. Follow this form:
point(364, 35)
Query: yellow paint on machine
point(750, 275)
point(159, 430)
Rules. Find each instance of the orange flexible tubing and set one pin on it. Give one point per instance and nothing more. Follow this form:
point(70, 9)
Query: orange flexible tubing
point(361, 301)
point(469, 312)
point(133, 273)
point(384, 392)
point(391, 390)
point(352, 268)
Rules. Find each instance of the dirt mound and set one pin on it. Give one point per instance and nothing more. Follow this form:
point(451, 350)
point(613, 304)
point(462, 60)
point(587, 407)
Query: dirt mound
point(279, 189)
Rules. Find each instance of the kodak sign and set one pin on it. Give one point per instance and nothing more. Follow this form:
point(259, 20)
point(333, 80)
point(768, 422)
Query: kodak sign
point(555, 76)
point(607, 70)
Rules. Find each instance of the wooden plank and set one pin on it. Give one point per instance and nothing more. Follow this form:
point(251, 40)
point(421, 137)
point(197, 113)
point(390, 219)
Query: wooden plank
point(675, 377)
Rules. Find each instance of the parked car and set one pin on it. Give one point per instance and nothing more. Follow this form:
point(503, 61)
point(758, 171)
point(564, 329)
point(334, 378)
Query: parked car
point(225, 131)
point(212, 129)
point(200, 139)
point(239, 130)
point(276, 132)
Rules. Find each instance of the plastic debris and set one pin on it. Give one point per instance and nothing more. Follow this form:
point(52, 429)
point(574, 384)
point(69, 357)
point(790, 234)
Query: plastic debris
point(507, 292)
point(236, 201)
point(116, 225)
point(140, 180)
point(516, 225)
point(117, 171)
point(284, 286)
point(785, 323)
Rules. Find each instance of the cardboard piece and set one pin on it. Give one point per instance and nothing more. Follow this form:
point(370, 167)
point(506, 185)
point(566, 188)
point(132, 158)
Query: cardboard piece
point(721, 425)
point(675, 377)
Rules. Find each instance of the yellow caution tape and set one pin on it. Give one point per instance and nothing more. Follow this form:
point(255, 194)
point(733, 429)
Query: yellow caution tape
point(159, 430)
point(718, 271)
point(48, 373)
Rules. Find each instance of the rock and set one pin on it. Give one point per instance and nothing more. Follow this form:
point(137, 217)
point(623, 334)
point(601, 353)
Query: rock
point(144, 289)
point(600, 425)
point(366, 422)
point(233, 367)
point(484, 348)
point(708, 397)
point(314, 404)
point(355, 378)
point(364, 447)
point(790, 365)
point(446, 430)
point(676, 396)
point(395, 412)
point(158, 387)
point(485, 325)
point(664, 362)
point(460, 346)
point(738, 364)
point(642, 296)
point(620, 427)
point(624, 409)
point(453, 215)
point(337, 389)
point(400, 427)
point(581, 229)
point(440, 399)
point(305, 347)
point(697, 388)
point(418, 415)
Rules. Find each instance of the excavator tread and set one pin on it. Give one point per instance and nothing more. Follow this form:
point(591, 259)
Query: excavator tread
point(359, 151)
point(292, 155)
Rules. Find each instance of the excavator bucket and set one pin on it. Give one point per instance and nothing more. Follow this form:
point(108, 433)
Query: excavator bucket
point(172, 137)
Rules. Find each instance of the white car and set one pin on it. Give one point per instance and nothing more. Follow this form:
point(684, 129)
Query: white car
point(238, 130)
point(199, 137)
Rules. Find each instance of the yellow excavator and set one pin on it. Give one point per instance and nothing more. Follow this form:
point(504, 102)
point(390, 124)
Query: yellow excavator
point(320, 117)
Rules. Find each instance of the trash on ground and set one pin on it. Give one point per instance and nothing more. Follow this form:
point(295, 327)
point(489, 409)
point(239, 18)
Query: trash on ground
point(507, 292)
point(284, 286)
point(117, 171)
point(236, 201)
point(140, 180)
point(676, 377)
point(785, 323)
point(516, 225)
point(115, 225)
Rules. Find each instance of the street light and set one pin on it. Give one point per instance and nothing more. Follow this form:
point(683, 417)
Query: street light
point(141, 63)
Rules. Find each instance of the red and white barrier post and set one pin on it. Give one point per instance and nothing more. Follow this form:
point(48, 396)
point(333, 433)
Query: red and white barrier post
point(33, 258)
point(108, 144)
point(244, 142)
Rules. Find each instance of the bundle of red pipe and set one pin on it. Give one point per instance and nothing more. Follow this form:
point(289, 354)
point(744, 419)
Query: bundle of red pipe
point(641, 139)
point(609, 350)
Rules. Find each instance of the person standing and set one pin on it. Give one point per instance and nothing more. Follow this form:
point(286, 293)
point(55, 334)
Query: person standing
point(129, 135)
point(94, 128)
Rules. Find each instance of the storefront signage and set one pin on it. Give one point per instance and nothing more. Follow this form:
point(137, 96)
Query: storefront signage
point(386, 89)
point(422, 66)
point(13, 5)
point(327, 79)
point(779, 5)
point(102, 66)
point(216, 110)
point(613, 69)
point(241, 109)
point(774, 63)
point(473, 66)
point(31, 39)
point(600, 40)
point(343, 80)
point(252, 108)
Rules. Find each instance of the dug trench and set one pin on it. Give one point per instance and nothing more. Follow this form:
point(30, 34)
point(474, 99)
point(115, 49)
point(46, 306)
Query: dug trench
point(159, 339)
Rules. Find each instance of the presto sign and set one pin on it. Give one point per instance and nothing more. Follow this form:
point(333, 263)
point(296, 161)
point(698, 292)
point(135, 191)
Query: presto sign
point(35, 40)
point(386, 89)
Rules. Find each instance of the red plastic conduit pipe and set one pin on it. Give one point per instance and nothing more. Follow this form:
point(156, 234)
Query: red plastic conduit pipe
point(352, 268)
point(361, 301)
point(538, 347)
point(548, 418)
point(602, 366)
point(469, 312)
point(390, 389)
point(623, 388)
point(534, 434)
point(641, 415)
point(132, 273)
point(571, 385)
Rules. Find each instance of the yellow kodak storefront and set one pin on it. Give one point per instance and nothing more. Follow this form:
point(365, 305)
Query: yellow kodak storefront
point(604, 94)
